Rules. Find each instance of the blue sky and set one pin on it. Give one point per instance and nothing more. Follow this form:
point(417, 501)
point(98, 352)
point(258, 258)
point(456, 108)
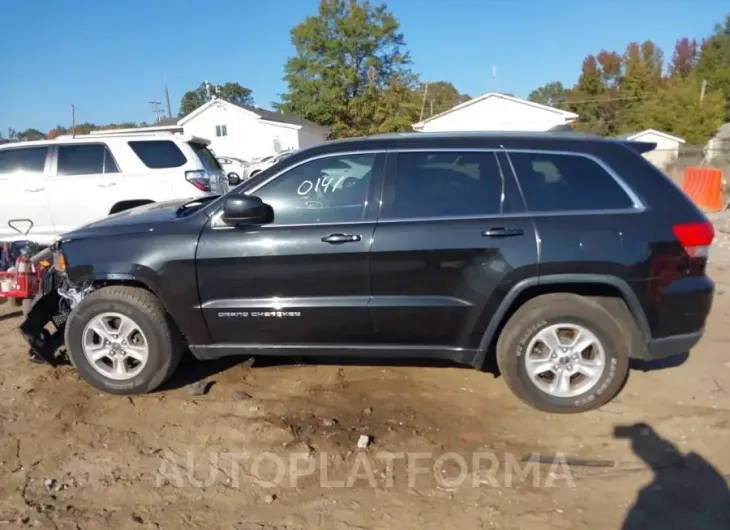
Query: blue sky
point(110, 58)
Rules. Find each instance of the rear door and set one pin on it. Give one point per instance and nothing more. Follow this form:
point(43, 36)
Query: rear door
point(583, 214)
point(453, 237)
point(84, 184)
point(23, 193)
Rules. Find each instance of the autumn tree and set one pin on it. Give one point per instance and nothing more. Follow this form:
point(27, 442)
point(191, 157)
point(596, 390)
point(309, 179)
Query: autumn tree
point(550, 94)
point(684, 58)
point(231, 91)
point(350, 72)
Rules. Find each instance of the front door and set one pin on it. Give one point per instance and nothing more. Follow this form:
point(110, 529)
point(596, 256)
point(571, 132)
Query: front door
point(303, 279)
point(452, 239)
point(23, 195)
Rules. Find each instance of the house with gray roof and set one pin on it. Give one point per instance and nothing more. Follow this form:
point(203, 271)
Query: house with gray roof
point(241, 131)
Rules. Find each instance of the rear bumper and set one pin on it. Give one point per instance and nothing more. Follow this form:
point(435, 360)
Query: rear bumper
point(674, 345)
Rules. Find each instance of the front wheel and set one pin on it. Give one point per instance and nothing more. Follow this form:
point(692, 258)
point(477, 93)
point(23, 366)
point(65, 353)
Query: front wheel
point(121, 340)
point(563, 353)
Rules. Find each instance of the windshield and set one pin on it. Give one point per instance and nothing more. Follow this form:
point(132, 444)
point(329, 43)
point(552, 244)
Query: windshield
point(206, 157)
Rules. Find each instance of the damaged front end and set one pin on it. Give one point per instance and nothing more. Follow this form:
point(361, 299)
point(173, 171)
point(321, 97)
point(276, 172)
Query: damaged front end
point(50, 308)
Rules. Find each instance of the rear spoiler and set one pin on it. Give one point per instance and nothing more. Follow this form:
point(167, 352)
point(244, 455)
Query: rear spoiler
point(640, 147)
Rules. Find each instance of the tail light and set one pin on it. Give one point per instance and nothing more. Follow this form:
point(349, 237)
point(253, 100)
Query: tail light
point(199, 179)
point(696, 238)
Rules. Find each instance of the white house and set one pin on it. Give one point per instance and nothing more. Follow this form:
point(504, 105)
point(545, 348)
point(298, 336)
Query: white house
point(497, 112)
point(717, 149)
point(667, 146)
point(241, 131)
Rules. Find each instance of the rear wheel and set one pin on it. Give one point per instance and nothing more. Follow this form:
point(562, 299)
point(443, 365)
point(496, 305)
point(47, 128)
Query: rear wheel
point(122, 341)
point(563, 353)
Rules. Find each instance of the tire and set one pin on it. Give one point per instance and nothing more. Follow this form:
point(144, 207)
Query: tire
point(535, 319)
point(143, 309)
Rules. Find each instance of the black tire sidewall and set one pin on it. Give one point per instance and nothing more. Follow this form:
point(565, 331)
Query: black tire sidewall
point(615, 349)
point(160, 349)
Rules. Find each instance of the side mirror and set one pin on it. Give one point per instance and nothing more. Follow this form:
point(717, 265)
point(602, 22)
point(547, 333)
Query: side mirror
point(244, 210)
point(233, 179)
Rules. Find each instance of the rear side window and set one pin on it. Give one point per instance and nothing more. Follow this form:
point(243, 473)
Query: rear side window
point(553, 182)
point(445, 184)
point(206, 157)
point(27, 160)
point(85, 159)
point(158, 154)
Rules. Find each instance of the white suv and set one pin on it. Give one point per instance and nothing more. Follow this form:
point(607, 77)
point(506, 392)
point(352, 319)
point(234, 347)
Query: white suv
point(68, 182)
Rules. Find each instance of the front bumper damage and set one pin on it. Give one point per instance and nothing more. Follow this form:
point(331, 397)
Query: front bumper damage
point(45, 322)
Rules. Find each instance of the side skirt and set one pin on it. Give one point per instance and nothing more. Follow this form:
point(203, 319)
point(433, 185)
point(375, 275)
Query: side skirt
point(386, 351)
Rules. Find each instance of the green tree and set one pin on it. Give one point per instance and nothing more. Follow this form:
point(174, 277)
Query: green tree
point(350, 70)
point(591, 99)
point(439, 97)
point(29, 135)
point(230, 91)
point(550, 94)
point(676, 109)
point(713, 66)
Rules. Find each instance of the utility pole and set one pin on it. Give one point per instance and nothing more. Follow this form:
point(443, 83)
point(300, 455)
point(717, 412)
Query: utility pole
point(73, 120)
point(423, 103)
point(156, 110)
point(167, 99)
point(431, 102)
point(702, 90)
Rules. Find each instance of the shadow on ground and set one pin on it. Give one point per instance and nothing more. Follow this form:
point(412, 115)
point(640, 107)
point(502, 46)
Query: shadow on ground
point(686, 492)
point(192, 370)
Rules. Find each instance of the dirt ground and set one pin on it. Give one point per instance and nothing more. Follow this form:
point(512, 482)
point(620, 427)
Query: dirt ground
point(274, 446)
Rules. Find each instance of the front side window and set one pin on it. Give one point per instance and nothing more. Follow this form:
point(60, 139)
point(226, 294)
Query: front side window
point(85, 159)
point(158, 154)
point(326, 190)
point(445, 184)
point(556, 182)
point(22, 161)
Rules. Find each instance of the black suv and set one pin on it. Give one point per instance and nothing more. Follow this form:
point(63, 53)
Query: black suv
point(564, 255)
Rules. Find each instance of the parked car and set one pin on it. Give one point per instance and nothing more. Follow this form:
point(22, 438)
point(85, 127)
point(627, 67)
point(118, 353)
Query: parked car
point(234, 168)
point(562, 255)
point(257, 166)
point(68, 182)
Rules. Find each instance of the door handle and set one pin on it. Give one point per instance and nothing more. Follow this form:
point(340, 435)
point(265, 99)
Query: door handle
point(34, 190)
point(337, 239)
point(107, 185)
point(503, 232)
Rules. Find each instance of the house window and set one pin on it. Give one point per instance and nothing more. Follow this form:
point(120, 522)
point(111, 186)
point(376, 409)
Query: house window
point(221, 130)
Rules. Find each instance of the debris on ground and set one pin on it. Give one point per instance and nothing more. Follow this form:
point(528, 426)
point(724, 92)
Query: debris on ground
point(49, 483)
point(240, 395)
point(200, 388)
point(368, 411)
point(363, 441)
point(248, 363)
point(270, 498)
point(329, 422)
point(572, 462)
